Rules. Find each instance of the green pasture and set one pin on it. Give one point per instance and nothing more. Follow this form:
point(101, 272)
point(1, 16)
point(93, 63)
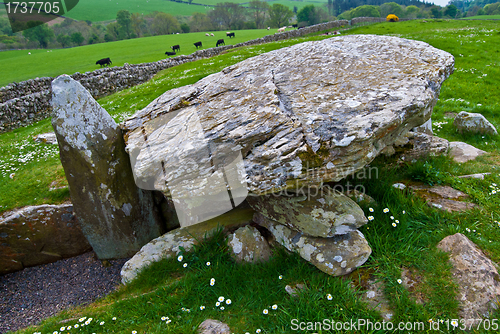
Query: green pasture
point(184, 295)
point(51, 63)
point(483, 17)
point(98, 10)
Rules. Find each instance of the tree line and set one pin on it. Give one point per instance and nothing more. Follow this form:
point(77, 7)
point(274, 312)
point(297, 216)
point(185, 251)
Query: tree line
point(226, 16)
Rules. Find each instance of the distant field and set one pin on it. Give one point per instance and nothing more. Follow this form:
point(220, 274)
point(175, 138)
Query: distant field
point(42, 63)
point(99, 10)
point(483, 17)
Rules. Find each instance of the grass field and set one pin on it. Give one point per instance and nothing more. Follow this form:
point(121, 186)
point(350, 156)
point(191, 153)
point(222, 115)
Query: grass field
point(483, 17)
point(166, 289)
point(83, 58)
point(97, 10)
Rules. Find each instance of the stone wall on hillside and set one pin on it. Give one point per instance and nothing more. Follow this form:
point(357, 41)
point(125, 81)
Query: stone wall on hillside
point(26, 102)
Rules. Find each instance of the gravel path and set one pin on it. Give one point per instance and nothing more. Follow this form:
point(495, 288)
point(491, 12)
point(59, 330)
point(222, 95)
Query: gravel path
point(36, 293)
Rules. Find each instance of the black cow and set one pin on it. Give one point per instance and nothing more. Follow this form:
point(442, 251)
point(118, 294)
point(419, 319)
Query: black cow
point(168, 53)
point(198, 45)
point(295, 25)
point(230, 34)
point(220, 42)
point(175, 47)
point(103, 62)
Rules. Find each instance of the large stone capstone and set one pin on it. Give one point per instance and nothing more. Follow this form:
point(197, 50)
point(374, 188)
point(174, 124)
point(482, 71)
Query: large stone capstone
point(301, 115)
point(116, 217)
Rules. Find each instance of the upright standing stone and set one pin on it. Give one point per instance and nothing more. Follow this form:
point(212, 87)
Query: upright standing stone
point(117, 218)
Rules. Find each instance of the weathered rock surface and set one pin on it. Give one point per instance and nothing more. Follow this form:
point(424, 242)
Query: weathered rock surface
point(47, 138)
point(117, 218)
point(37, 235)
point(425, 128)
point(479, 176)
point(305, 114)
point(360, 197)
point(443, 197)
point(211, 326)
point(336, 256)
point(376, 300)
point(248, 245)
point(473, 123)
point(425, 145)
point(321, 212)
point(294, 291)
point(462, 152)
point(167, 245)
point(475, 274)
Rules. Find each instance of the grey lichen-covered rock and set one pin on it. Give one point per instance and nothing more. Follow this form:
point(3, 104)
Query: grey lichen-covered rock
point(248, 245)
point(319, 212)
point(116, 217)
point(425, 145)
point(476, 276)
point(47, 138)
point(211, 326)
point(463, 152)
point(336, 256)
point(473, 123)
point(168, 245)
point(37, 235)
point(304, 114)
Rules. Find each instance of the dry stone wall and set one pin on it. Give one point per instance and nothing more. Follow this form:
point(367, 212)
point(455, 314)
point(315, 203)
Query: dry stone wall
point(27, 102)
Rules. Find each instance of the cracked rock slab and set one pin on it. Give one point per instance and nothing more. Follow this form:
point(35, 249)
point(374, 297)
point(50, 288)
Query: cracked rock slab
point(301, 115)
point(443, 197)
point(319, 212)
point(336, 256)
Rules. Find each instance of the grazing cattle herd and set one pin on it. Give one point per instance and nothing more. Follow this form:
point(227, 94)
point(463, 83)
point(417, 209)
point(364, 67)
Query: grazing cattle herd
point(107, 61)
